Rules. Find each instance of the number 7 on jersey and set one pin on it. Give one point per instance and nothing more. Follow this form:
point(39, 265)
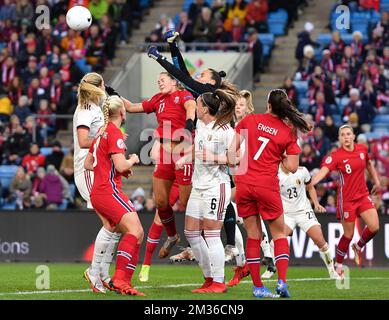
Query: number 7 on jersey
point(265, 141)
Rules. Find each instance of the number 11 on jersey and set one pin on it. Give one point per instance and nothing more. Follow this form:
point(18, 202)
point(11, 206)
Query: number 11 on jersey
point(265, 141)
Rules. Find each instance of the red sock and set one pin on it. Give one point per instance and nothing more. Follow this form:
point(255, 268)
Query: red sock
point(152, 242)
point(127, 252)
point(253, 255)
point(167, 219)
point(366, 236)
point(342, 249)
point(281, 257)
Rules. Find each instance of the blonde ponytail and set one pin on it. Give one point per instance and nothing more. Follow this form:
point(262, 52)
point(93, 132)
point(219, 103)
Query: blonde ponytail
point(249, 100)
point(89, 89)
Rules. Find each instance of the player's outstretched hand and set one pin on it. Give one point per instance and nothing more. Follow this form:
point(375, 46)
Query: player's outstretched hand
point(134, 159)
point(153, 53)
point(320, 209)
point(111, 91)
point(376, 190)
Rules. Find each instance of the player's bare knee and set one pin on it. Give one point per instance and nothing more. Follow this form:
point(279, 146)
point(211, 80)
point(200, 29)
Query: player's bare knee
point(374, 228)
point(161, 203)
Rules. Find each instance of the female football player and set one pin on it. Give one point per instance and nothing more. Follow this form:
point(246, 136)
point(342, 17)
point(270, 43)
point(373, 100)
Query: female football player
point(270, 138)
point(107, 159)
point(351, 160)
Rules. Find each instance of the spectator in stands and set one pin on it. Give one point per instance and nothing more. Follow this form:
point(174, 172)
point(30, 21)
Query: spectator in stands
point(290, 90)
point(61, 100)
point(98, 8)
point(149, 207)
point(46, 41)
point(53, 59)
point(13, 124)
point(73, 44)
point(307, 64)
point(185, 28)
point(44, 78)
point(369, 95)
point(66, 191)
point(7, 11)
point(219, 10)
point(331, 205)
point(20, 189)
point(205, 26)
point(6, 106)
point(35, 94)
point(16, 146)
point(222, 37)
point(31, 71)
point(36, 183)
point(319, 85)
point(109, 35)
point(138, 198)
point(67, 166)
point(22, 109)
point(382, 27)
point(340, 84)
point(52, 188)
point(8, 71)
point(357, 45)
point(237, 9)
point(364, 110)
point(304, 39)
point(336, 47)
point(349, 63)
point(15, 89)
point(256, 16)
point(24, 11)
point(353, 121)
point(319, 142)
point(15, 46)
point(256, 48)
point(94, 48)
point(61, 28)
point(327, 63)
point(195, 9)
point(121, 14)
point(320, 109)
point(330, 129)
point(45, 121)
point(56, 156)
point(33, 130)
point(164, 24)
point(33, 160)
point(308, 157)
point(70, 73)
point(361, 77)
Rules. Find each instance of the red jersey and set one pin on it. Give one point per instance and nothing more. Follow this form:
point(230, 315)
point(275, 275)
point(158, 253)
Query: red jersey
point(33, 162)
point(170, 112)
point(266, 139)
point(351, 166)
point(106, 178)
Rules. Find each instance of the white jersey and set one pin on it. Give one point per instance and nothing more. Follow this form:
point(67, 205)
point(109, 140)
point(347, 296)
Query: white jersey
point(293, 191)
point(215, 140)
point(91, 117)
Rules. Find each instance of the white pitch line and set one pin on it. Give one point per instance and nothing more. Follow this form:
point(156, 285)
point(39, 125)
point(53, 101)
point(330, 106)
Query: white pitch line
point(173, 286)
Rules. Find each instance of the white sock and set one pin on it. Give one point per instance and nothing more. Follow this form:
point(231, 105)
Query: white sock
point(101, 243)
point(265, 242)
point(108, 256)
point(271, 244)
point(216, 254)
point(240, 258)
point(325, 255)
point(200, 251)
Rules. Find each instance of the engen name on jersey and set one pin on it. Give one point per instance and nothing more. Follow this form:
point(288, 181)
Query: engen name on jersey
point(267, 129)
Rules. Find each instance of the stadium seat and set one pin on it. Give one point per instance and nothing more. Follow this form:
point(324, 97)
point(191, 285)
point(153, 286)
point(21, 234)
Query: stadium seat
point(46, 151)
point(63, 205)
point(277, 28)
point(84, 67)
point(384, 7)
point(347, 38)
point(7, 173)
point(337, 119)
point(324, 39)
point(301, 86)
point(267, 40)
point(9, 205)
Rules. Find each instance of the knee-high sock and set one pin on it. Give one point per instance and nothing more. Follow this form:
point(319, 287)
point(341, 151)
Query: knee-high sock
point(200, 251)
point(281, 257)
point(241, 257)
point(325, 255)
point(265, 242)
point(108, 255)
point(366, 236)
point(126, 258)
point(167, 218)
point(253, 254)
point(229, 224)
point(152, 242)
point(342, 249)
point(101, 243)
point(216, 254)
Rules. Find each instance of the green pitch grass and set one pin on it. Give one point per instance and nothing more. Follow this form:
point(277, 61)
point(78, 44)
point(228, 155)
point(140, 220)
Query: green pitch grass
point(174, 282)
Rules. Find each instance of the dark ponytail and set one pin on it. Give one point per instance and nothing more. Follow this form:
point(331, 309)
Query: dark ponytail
point(283, 108)
point(221, 104)
point(217, 76)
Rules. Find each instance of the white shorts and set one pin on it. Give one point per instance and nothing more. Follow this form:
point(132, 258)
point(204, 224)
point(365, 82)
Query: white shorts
point(302, 219)
point(209, 203)
point(84, 183)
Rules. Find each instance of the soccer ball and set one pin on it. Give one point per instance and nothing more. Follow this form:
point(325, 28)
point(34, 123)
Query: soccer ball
point(78, 18)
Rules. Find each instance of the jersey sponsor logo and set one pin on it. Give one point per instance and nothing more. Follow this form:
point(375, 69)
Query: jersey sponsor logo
point(346, 215)
point(328, 160)
point(344, 161)
point(362, 156)
point(120, 143)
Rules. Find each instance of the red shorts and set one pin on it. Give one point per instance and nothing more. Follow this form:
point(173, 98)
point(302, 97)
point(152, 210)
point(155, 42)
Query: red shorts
point(166, 169)
point(174, 194)
point(253, 200)
point(349, 210)
point(112, 206)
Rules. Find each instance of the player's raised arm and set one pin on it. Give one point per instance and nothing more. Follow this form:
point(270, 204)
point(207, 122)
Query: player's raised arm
point(319, 176)
point(122, 164)
point(132, 107)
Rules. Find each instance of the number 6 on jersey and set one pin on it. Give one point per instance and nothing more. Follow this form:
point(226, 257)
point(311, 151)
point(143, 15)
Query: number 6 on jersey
point(265, 141)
